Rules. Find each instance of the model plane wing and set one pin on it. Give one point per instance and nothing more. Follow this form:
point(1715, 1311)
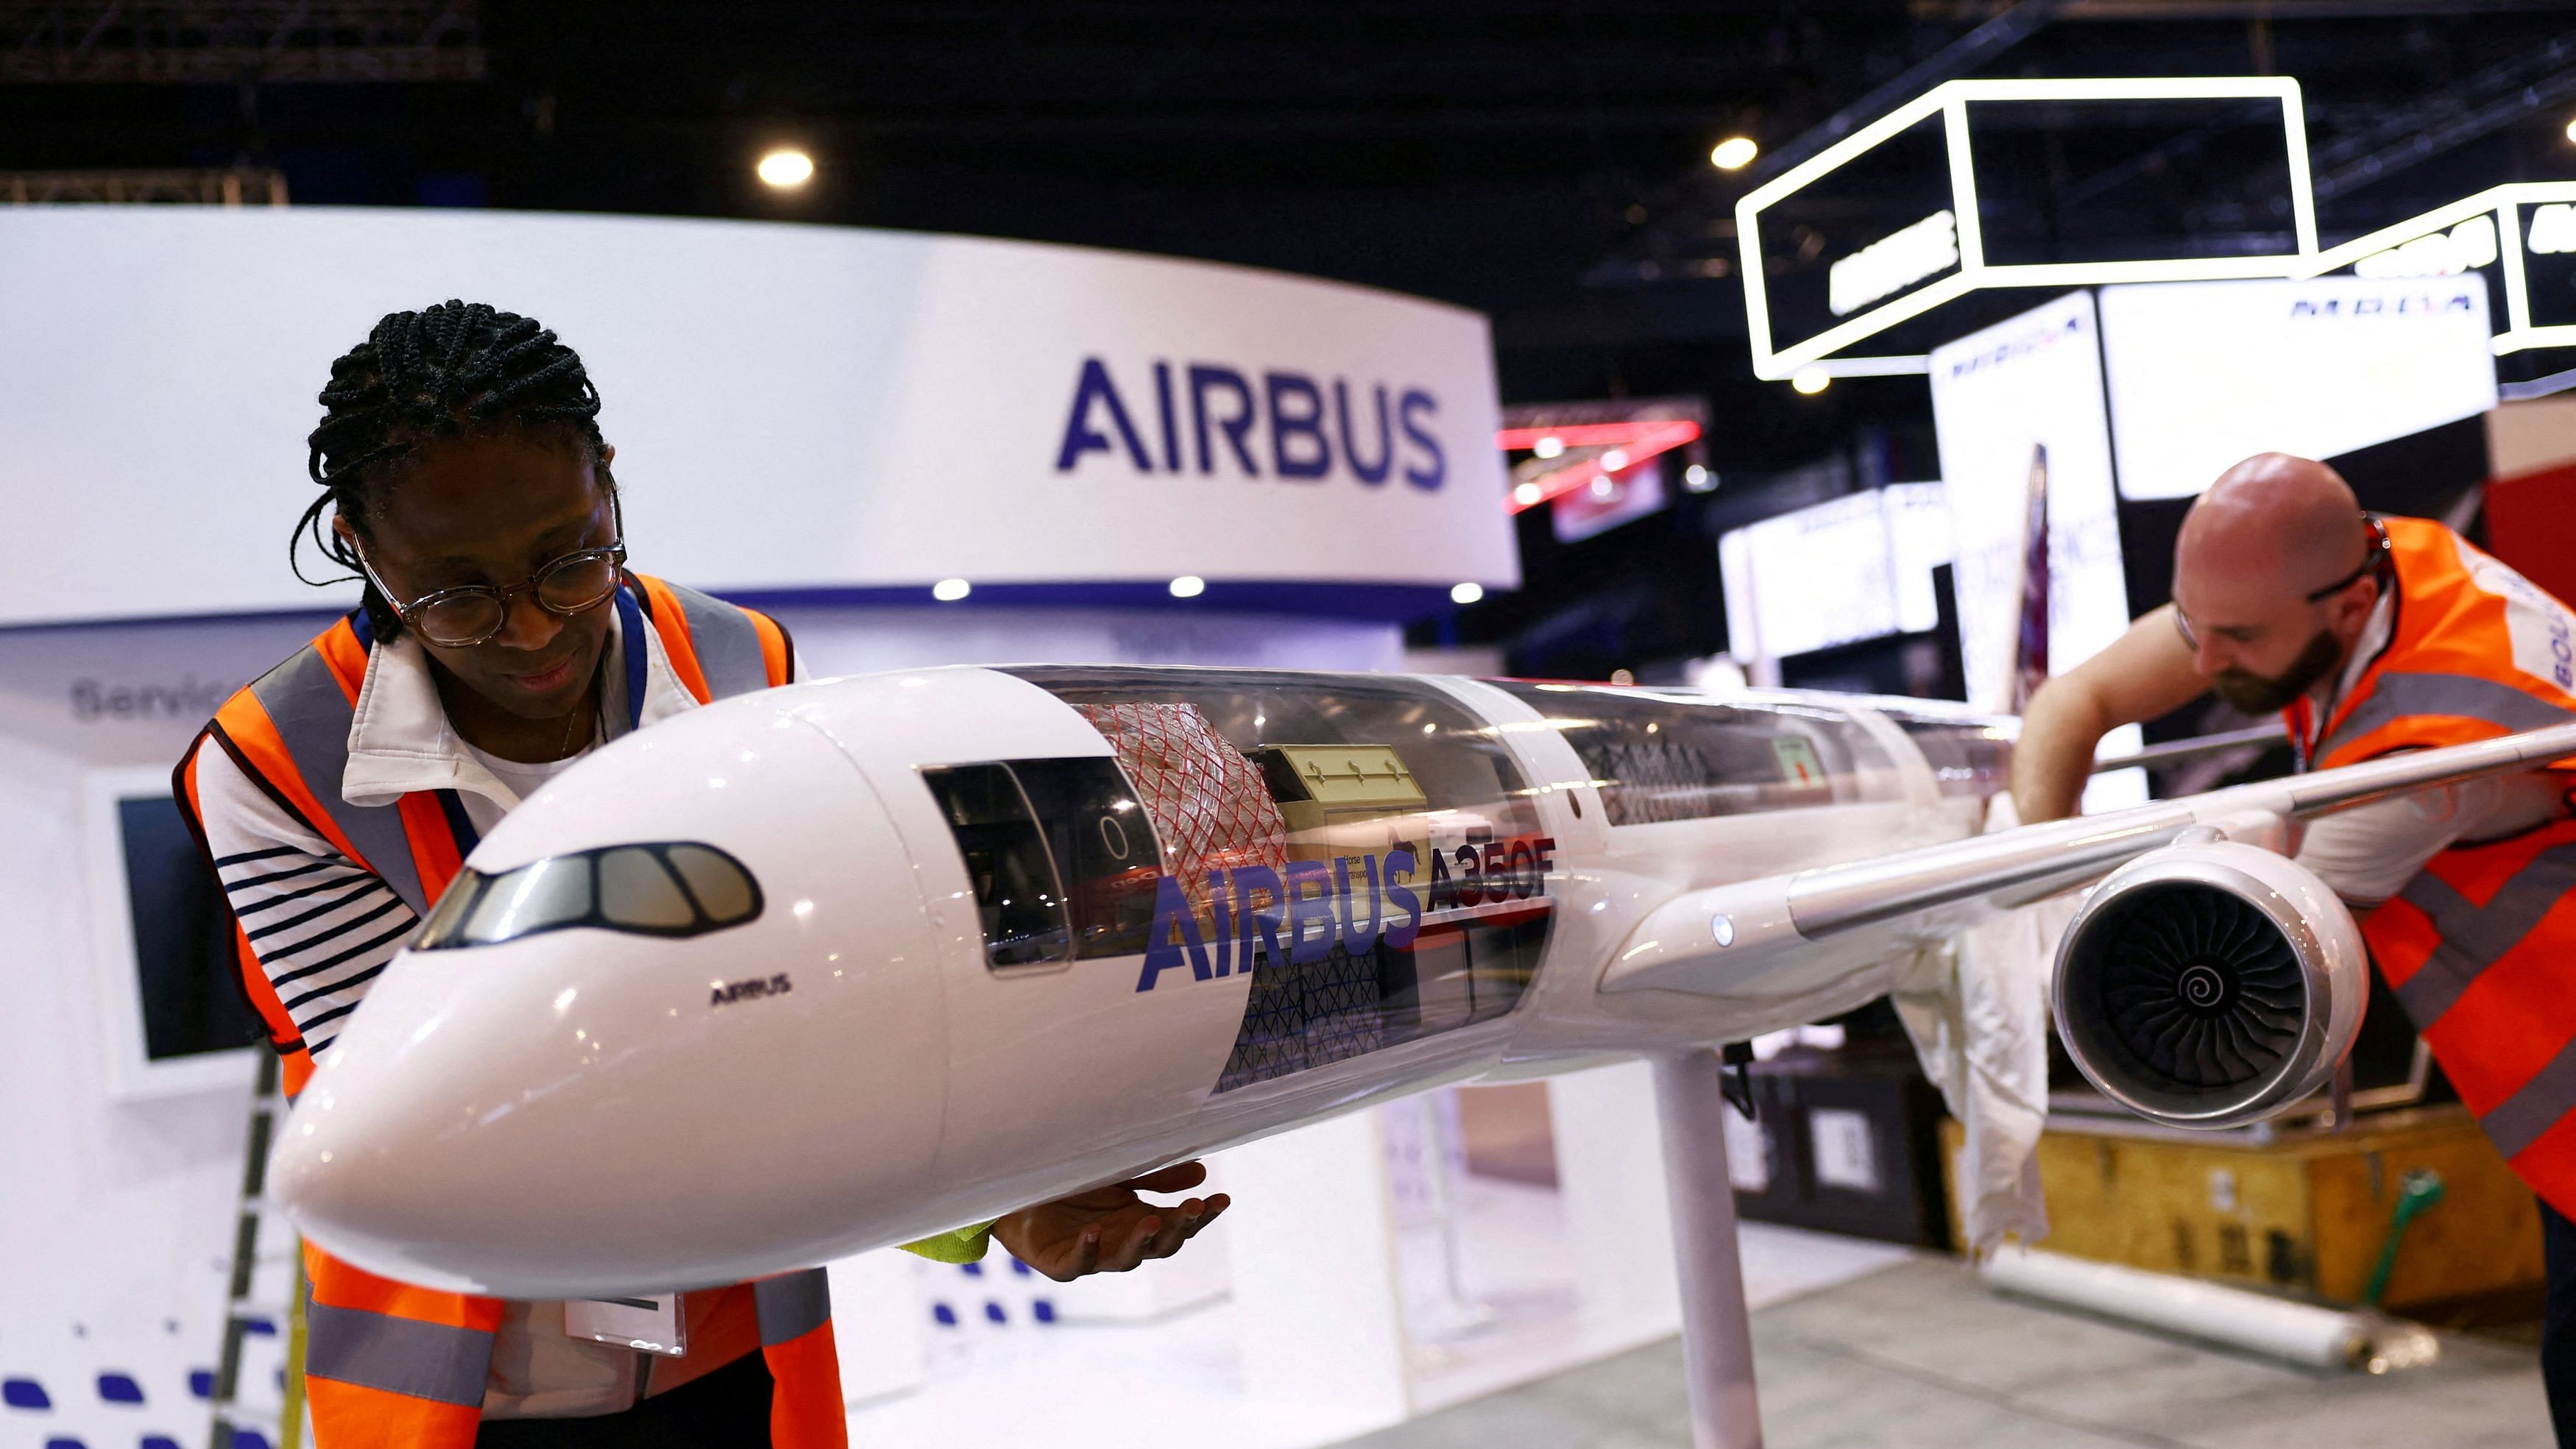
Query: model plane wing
point(1715, 938)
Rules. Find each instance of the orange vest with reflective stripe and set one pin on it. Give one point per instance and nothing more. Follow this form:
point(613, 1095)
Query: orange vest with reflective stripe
point(388, 1364)
point(2481, 946)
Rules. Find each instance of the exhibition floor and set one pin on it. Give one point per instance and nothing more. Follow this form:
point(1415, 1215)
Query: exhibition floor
point(1922, 1356)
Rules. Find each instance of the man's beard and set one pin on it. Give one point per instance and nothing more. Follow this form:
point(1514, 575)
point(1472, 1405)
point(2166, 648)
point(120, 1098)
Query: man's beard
point(2254, 694)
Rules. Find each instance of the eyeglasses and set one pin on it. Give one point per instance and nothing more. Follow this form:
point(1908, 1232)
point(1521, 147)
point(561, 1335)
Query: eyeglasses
point(462, 617)
point(2377, 561)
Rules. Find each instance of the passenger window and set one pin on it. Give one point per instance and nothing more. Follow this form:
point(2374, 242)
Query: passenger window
point(1006, 864)
point(1103, 849)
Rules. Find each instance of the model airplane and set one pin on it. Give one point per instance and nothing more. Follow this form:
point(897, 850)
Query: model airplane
point(898, 952)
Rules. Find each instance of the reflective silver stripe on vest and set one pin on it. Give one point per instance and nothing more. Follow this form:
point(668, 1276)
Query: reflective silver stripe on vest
point(793, 1306)
point(2475, 937)
point(727, 645)
point(2462, 696)
point(2535, 1106)
point(312, 716)
point(398, 1355)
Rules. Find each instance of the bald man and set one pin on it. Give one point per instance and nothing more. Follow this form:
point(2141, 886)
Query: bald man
point(2374, 636)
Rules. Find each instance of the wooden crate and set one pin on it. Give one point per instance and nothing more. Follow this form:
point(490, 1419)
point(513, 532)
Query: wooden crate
point(2306, 1212)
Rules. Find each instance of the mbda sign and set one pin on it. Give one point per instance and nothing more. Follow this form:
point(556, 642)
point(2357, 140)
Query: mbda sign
point(1207, 418)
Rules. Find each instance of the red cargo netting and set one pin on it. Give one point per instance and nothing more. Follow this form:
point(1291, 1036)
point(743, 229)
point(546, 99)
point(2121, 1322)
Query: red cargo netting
point(1207, 802)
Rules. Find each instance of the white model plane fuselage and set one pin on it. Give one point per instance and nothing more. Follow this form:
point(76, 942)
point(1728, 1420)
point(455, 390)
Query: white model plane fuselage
point(845, 964)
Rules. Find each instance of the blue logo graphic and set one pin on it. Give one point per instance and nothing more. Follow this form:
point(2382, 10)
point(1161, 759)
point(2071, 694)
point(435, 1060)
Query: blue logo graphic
point(1357, 902)
point(1208, 418)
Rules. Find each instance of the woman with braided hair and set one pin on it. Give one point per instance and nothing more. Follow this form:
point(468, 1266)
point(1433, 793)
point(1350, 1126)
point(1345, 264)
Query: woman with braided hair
point(466, 483)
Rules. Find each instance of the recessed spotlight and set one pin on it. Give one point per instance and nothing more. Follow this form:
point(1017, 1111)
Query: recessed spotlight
point(949, 591)
point(1467, 593)
point(1734, 153)
point(1527, 495)
point(1698, 479)
point(1188, 586)
point(786, 169)
point(1811, 380)
point(1614, 460)
point(1549, 447)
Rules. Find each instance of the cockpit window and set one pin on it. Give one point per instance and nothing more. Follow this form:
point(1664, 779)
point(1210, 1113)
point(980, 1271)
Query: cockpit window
point(672, 888)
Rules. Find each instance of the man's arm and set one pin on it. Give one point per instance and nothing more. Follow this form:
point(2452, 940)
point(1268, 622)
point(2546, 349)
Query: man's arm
point(2144, 673)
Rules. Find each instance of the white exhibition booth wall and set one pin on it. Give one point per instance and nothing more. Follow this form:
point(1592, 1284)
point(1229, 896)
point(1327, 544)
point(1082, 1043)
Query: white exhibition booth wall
point(793, 407)
point(832, 419)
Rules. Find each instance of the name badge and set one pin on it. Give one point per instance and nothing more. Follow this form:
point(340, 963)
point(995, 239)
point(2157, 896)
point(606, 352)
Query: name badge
point(650, 1324)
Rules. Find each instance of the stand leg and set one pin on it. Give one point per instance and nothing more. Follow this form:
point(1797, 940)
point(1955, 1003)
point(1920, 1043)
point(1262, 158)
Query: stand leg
point(1717, 1341)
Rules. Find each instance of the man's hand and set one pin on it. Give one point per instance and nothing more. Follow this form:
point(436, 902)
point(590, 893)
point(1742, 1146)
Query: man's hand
point(1109, 1229)
point(2144, 673)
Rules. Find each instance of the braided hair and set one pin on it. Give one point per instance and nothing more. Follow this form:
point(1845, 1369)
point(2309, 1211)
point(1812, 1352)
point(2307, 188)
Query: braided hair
point(450, 371)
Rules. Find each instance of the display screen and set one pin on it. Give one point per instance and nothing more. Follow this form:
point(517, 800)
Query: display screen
point(184, 964)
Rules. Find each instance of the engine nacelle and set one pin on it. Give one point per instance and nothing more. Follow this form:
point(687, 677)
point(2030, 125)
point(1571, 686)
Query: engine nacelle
point(2210, 985)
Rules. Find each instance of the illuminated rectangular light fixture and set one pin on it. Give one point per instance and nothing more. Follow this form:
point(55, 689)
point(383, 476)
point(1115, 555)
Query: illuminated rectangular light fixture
point(1950, 101)
point(2528, 218)
point(2534, 217)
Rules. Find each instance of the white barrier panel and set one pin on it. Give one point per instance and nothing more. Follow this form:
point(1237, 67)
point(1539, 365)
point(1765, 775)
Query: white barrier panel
point(2205, 374)
point(794, 407)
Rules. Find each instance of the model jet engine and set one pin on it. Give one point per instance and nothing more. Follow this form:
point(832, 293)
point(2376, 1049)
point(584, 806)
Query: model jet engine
point(2210, 984)
point(844, 964)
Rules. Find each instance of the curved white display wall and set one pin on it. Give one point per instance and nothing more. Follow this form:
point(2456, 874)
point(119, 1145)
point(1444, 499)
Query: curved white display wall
point(795, 408)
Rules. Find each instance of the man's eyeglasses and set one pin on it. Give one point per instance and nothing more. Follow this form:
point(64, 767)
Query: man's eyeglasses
point(462, 617)
point(2378, 560)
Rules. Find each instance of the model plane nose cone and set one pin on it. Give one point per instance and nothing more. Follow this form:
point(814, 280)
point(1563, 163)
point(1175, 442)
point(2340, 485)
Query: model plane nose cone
point(678, 1023)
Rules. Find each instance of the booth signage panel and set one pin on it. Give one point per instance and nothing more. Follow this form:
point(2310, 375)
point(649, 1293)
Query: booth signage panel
point(1855, 568)
point(2205, 374)
point(794, 407)
point(2000, 398)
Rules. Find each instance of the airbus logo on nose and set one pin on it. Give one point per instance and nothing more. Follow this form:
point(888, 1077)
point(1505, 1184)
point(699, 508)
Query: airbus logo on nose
point(1207, 418)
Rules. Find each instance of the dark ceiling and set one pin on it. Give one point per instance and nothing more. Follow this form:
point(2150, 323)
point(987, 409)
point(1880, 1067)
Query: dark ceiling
point(1544, 163)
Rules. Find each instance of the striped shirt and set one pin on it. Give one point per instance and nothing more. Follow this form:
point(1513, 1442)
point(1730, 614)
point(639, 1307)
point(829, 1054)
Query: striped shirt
point(322, 926)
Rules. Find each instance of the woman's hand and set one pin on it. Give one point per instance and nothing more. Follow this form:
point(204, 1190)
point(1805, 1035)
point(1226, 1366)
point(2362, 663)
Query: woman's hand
point(1109, 1229)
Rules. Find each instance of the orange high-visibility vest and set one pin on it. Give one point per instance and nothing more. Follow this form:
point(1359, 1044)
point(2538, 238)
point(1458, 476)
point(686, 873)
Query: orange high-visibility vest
point(2481, 946)
point(388, 1365)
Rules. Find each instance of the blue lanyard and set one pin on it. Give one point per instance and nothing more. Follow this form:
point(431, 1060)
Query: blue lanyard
point(631, 627)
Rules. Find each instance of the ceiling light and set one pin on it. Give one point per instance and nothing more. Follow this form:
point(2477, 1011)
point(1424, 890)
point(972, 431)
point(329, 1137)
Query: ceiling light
point(1811, 380)
point(1549, 447)
point(1527, 495)
point(949, 591)
point(1734, 153)
point(1466, 593)
point(1188, 586)
point(2571, 130)
point(786, 169)
point(1698, 479)
point(1602, 487)
point(1614, 460)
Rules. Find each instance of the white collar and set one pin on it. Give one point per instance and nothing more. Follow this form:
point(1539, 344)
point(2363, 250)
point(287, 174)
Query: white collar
point(2366, 649)
point(400, 740)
